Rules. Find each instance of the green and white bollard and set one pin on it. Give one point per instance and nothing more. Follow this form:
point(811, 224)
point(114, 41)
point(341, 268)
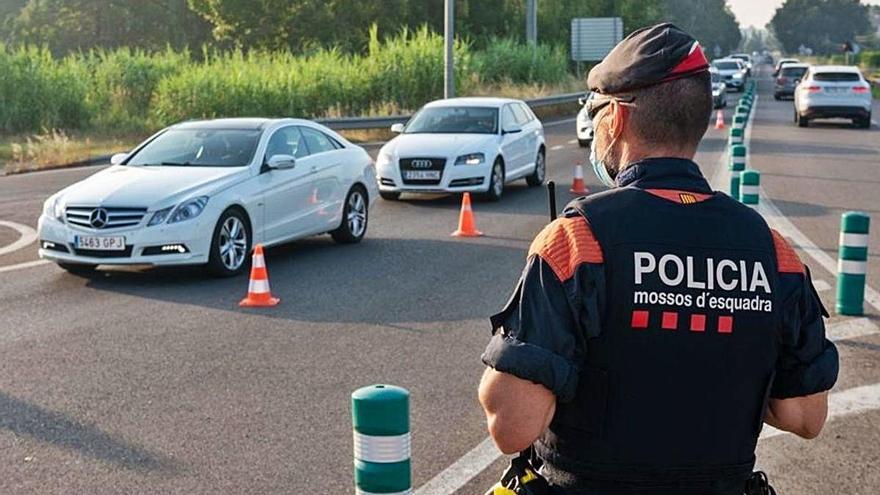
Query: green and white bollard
point(737, 165)
point(750, 187)
point(852, 263)
point(736, 135)
point(380, 417)
point(739, 121)
point(742, 110)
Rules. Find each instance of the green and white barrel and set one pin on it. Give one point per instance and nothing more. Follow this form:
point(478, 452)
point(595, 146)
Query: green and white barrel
point(736, 135)
point(737, 165)
point(739, 121)
point(380, 417)
point(750, 185)
point(852, 263)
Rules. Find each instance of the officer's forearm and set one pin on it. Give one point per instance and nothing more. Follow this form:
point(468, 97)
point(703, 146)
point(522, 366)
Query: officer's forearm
point(517, 411)
point(803, 416)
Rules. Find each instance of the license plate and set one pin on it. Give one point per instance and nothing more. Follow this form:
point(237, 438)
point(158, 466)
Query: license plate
point(116, 243)
point(421, 174)
point(834, 90)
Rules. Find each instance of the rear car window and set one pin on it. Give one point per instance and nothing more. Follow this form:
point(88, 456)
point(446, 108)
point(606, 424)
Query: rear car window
point(794, 72)
point(837, 77)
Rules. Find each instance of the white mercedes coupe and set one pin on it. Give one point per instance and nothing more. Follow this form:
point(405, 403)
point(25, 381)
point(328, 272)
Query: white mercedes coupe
point(464, 144)
point(205, 192)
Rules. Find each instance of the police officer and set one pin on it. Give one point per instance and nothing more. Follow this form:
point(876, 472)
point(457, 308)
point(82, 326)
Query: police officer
point(658, 325)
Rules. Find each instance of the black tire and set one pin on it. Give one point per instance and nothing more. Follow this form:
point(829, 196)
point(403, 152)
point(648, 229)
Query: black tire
point(537, 177)
point(216, 264)
point(864, 123)
point(584, 143)
point(777, 97)
point(801, 120)
point(78, 269)
point(496, 187)
point(389, 195)
point(355, 217)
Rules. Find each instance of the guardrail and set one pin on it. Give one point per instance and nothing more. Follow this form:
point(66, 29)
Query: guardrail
point(357, 123)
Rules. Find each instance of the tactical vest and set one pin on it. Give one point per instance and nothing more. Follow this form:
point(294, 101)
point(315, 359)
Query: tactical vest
point(682, 345)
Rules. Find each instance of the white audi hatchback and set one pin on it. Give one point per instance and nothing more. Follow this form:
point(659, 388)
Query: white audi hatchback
point(204, 192)
point(464, 145)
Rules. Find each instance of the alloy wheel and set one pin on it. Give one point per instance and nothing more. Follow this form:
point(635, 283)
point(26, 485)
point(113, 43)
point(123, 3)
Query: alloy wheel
point(233, 243)
point(357, 214)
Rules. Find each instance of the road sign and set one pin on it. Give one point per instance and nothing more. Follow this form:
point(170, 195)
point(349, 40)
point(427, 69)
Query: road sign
point(593, 37)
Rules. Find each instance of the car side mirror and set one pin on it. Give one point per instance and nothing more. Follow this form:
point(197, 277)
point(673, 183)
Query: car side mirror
point(118, 158)
point(397, 128)
point(280, 162)
point(797, 81)
point(512, 130)
point(582, 100)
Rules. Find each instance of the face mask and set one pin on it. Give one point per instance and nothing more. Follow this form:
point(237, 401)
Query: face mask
point(599, 167)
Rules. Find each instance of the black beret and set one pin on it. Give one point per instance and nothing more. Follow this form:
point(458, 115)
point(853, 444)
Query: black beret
point(646, 57)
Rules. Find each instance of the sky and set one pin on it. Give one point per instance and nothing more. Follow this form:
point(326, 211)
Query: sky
point(757, 13)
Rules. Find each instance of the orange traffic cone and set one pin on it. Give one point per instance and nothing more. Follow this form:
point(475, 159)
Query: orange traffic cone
point(719, 120)
point(258, 287)
point(466, 225)
point(577, 185)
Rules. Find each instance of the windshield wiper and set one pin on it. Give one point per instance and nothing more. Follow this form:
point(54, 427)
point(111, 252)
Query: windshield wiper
point(176, 164)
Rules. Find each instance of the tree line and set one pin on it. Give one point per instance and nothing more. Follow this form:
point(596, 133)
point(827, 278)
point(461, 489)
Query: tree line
point(66, 26)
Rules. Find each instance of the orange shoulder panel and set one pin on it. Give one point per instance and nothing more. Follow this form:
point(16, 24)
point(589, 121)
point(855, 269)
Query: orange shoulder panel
point(565, 244)
point(786, 257)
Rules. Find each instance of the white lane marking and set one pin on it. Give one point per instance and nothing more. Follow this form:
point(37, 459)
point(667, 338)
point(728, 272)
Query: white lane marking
point(560, 122)
point(26, 264)
point(572, 141)
point(778, 221)
point(462, 471)
point(851, 328)
point(847, 402)
point(26, 234)
point(850, 401)
point(557, 147)
point(821, 285)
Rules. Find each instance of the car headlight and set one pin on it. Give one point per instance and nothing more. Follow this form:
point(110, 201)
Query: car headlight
point(738, 75)
point(189, 209)
point(384, 159)
point(160, 216)
point(471, 159)
point(53, 208)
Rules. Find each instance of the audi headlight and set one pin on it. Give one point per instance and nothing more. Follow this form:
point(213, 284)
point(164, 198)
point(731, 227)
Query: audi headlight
point(189, 209)
point(384, 159)
point(471, 159)
point(160, 216)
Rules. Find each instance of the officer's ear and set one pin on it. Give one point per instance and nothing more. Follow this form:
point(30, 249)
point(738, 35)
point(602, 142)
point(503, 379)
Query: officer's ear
point(619, 115)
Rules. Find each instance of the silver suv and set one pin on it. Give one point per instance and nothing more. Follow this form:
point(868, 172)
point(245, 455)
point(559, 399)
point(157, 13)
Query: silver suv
point(833, 91)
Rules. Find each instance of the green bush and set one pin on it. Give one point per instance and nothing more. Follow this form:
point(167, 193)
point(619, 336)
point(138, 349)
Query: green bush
point(505, 60)
point(870, 59)
point(133, 90)
point(123, 82)
point(39, 92)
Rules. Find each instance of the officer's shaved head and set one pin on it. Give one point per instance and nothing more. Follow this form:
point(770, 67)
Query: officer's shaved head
point(672, 114)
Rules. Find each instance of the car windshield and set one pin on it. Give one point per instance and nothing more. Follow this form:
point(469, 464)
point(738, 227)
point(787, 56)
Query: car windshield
point(836, 77)
point(795, 72)
point(454, 120)
point(726, 65)
point(199, 148)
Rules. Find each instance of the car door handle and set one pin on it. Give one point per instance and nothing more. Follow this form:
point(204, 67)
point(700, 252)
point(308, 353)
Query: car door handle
point(314, 169)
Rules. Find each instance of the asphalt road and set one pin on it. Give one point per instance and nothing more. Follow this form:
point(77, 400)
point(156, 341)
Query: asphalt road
point(155, 381)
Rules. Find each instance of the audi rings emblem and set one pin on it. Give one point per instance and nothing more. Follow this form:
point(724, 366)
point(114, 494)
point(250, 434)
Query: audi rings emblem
point(98, 218)
point(421, 164)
